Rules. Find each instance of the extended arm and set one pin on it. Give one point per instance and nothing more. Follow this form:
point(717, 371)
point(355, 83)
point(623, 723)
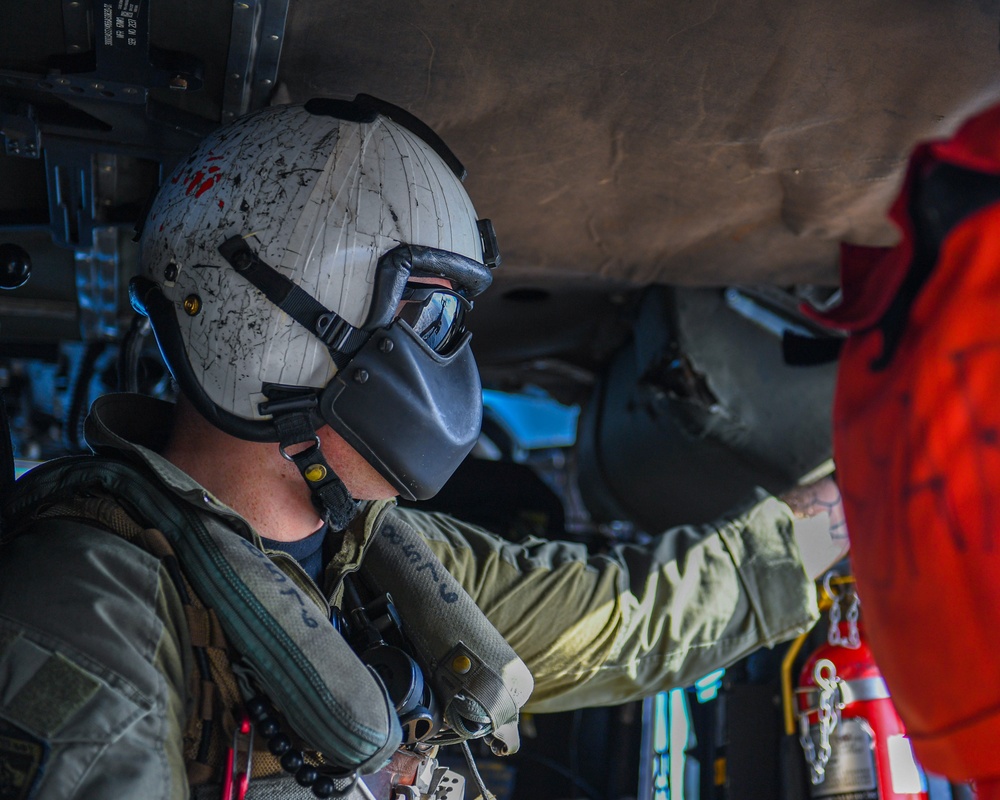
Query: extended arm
point(819, 528)
point(609, 628)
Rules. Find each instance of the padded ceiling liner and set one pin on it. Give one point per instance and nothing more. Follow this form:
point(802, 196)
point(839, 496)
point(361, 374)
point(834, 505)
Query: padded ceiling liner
point(682, 141)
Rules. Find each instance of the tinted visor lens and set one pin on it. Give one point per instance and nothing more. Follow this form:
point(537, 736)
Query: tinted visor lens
point(436, 315)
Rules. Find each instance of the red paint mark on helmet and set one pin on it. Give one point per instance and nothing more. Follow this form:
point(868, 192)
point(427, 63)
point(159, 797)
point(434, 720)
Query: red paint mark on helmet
point(202, 182)
point(222, 204)
point(214, 158)
point(198, 178)
point(205, 187)
point(161, 227)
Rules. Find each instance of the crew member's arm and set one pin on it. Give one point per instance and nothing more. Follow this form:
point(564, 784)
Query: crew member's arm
point(819, 529)
point(598, 630)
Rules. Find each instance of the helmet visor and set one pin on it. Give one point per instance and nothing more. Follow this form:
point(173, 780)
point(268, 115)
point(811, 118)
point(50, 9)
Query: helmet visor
point(435, 314)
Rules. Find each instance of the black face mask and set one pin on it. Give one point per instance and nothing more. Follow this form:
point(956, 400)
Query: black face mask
point(410, 399)
point(414, 414)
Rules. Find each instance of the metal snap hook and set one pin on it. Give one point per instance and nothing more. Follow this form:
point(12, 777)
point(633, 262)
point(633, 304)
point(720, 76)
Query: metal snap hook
point(312, 448)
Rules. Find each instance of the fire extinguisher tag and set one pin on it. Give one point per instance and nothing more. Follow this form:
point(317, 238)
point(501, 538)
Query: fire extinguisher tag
point(850, 773)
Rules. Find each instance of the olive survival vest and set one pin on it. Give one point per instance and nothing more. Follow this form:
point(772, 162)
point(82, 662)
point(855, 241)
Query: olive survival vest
point(260, 635)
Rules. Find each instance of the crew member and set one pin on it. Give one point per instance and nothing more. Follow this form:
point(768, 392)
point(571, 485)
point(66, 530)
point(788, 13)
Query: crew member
point(307, 273)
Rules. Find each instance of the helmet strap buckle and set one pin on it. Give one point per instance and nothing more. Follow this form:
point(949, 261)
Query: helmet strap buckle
point(283, 399)
point(329, 494)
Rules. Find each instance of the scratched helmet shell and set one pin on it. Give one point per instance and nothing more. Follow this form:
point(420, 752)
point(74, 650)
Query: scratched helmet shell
point(320, 199)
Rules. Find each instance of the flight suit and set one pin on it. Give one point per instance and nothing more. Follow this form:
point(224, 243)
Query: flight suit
point(96, 659)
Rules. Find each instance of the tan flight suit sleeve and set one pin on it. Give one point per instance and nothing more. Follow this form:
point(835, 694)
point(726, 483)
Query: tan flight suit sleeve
point(94, 668)
point(604, 629)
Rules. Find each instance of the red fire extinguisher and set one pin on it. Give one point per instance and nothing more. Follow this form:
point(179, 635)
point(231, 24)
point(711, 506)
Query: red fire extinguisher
point(854, 742)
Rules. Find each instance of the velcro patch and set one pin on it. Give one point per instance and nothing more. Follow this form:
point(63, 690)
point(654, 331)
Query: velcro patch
point(22, 758)
point(52, 696)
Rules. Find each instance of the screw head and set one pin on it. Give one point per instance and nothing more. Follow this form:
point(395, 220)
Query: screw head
point(385, 345)
point(170, 272)
point(192, 305)
point(15, 266)
point(242, 261)
point(361, 376)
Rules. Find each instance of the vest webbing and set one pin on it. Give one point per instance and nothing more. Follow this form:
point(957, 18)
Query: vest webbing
point(213, 688)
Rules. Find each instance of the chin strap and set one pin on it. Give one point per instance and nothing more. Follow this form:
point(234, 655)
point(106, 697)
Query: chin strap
point(329, 494)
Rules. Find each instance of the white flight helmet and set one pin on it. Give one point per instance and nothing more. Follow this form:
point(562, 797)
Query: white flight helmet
point(275, 263)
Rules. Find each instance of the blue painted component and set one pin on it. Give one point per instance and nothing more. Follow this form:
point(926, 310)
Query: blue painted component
point(707, 688)
point(534, 421)
point(20, 467)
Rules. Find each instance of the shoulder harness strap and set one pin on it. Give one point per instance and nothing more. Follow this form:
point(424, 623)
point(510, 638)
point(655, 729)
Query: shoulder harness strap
point(213, 686)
